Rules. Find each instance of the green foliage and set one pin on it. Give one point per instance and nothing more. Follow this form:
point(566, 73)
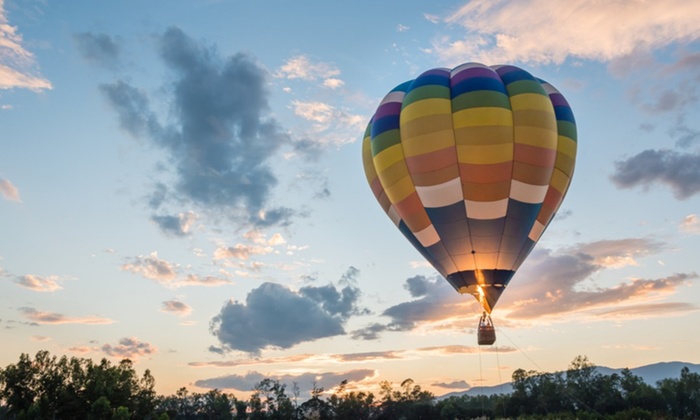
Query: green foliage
point(47, 387)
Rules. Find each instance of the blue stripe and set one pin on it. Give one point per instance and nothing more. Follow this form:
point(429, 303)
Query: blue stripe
point(564, 113)
point(478, 83)
point(390, 122)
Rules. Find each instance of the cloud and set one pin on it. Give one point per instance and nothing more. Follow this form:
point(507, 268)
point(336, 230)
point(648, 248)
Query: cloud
point(301, 67)
point(98, 49)
point(55, 318)
point(9, 191)
point(305, 381)
point(315, 359)
point(541, 31)
point(690, 224)
point(39, 283)
point(151, 267)
point(330, 125)
point(219, 140)
point(679, 171)
point(242, 251)
point(129, 348)
point(402, 28)
point(17, 65)
point(435, 302)
point(167, 273)
point(453, 385)
point(551, 284)
point(275, 316)
point(176, 307)
point(175, 225)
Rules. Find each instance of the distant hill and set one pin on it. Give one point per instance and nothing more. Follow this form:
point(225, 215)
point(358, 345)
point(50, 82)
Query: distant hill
point(651, 374)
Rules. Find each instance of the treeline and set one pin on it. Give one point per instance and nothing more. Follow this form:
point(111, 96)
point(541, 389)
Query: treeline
point(48, 387)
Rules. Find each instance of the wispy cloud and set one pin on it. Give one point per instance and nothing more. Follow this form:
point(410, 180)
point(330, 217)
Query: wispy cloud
point(301, 67)
point(176, 307)
point(305, 381)
point(99, 49)
point(541, 31)
point(690, 224)
point(17, 65)
point(129, 348)
point(167, 273)
point(40, 283)
point(40, 317)
point(9, 191)
point(308, 359)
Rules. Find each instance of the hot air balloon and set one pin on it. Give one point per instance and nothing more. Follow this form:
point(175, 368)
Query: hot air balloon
point(471, 164)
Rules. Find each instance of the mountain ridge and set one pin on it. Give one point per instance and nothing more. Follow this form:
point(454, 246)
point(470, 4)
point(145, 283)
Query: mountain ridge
point(650, 374)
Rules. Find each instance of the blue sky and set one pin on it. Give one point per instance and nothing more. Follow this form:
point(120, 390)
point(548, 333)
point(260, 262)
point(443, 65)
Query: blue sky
point(181, 184)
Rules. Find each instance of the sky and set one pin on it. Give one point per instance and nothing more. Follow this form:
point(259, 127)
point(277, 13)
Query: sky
point(181, 184)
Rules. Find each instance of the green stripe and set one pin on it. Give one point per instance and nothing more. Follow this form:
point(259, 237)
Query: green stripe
point(426, 92)
point(385, 140)
point(525, 86)
point(567, 129)
point(480, 98)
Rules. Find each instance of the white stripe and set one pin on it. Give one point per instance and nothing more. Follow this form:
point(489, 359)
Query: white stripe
point(441, 195)
point(536, 231)
point(527, 193)
point(396, 96)
point(394, 215)
point(465, 262)
point(427, 236)
point(486, 210)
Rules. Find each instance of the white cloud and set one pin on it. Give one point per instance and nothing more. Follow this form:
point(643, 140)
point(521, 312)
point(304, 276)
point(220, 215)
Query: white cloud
point(331, 125)
point(690, 224)
point(9, 191)
point(543, 31)
point(402, 28)
point(151, 267)
point(39, 283)
point(300, 67)
point(16, 63)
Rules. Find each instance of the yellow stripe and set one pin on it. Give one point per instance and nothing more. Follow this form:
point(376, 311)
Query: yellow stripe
point(425, 107)
point(535, 136)
point(474, 117)
point(482, 155)
point(531, 101)
point(399, 190)
point(388, 157)
point(559, 180)
point(393, 174)
point(567, 146)
point(426, 143)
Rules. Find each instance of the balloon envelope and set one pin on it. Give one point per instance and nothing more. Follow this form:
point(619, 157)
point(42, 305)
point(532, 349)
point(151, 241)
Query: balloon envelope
point(471, 164)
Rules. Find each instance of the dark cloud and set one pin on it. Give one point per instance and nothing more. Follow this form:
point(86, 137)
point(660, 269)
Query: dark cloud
point(553, 283)
point(98, 49)
point(274, 316)
point(219, 141)
point(175, 225)
point(129, 348)
point(680, 171)
point(435, 300)
point(176, 307)
point(305, 381)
